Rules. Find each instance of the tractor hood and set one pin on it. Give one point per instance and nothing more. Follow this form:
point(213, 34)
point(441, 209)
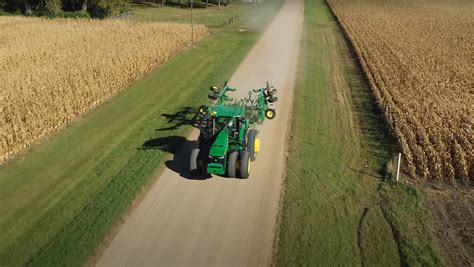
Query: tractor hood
point(220, 145)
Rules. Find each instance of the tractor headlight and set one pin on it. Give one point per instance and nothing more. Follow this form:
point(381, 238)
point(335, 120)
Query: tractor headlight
point(219, 160)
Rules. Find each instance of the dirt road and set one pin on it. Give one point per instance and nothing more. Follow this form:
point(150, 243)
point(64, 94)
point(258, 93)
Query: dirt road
point(221, 221)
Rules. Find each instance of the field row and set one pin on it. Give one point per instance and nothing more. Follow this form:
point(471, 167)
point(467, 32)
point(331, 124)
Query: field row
point(53, 71)
point(416, 57)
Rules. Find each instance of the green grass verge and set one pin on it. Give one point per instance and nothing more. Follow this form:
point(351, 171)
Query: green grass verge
point(60, 199)
point(337, 209)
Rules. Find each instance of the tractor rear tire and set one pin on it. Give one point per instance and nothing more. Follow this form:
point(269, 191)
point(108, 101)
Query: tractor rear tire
point(232, 164)
point(252, 146)
point(244, 164)
point(193, 160)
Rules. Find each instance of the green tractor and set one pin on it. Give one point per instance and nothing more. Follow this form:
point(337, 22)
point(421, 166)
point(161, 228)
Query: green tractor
point(228, 139)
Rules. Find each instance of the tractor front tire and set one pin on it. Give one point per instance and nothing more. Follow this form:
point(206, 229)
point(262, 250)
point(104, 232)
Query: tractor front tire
point(244, 164)
point(232, 164)
point(193, 160)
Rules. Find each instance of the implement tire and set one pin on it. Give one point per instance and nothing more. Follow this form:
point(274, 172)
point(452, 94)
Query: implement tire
point(244, 164)
point(232, 164)
point(270, 113)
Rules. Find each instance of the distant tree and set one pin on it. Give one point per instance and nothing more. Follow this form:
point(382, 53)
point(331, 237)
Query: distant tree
point(53, 7)
point(75, 5)
point(104, 8)
point(96, 8)
point(16, 6)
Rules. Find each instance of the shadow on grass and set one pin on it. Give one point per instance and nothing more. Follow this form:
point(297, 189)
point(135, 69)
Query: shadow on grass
point(179, 146)
point(186, 116)
point(364, 172)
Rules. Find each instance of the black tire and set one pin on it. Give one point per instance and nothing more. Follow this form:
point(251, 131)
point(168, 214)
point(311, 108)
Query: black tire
point(193, 160)
point(273, 99)
point(232, 164)
point(244, 164)
point(252, 135)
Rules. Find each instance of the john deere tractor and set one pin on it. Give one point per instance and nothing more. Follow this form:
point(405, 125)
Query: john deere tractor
point(228, 139)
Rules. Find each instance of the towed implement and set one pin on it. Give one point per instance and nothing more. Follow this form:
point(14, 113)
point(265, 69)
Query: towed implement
point(228, 141)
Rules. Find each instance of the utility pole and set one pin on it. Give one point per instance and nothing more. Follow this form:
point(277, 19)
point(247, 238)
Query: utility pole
point(192, 24)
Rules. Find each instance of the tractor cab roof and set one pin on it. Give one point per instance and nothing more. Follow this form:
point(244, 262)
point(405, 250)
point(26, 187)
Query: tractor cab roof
point(226, 111)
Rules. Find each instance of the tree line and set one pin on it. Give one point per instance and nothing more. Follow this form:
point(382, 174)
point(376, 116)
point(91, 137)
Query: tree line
point(86, 8)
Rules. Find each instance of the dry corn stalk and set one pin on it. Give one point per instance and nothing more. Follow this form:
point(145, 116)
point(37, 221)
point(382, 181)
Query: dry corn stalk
point(52, 71)
point(418, 57)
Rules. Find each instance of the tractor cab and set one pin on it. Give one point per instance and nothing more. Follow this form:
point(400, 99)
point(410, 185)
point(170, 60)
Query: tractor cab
point(223, 132)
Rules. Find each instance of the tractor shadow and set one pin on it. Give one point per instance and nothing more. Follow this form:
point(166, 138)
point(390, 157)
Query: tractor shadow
point(186, 116)
point(179, 146)
point(180, 162)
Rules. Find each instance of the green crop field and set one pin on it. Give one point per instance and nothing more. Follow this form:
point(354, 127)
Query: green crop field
point(60, 200)
point(338, 209)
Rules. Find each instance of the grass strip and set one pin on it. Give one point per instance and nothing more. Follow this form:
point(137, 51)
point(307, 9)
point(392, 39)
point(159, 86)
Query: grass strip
point(337, 208)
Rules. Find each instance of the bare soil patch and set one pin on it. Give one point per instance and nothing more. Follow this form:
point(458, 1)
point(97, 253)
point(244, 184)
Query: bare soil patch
point(453, 212)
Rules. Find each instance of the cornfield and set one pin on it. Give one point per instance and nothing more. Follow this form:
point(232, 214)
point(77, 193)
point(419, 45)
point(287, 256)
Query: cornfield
point(53, 71)
point(418, 57)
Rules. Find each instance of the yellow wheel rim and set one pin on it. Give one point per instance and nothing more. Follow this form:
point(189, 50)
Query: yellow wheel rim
point(270, 114)
point(257, 145)
point(248, 167)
